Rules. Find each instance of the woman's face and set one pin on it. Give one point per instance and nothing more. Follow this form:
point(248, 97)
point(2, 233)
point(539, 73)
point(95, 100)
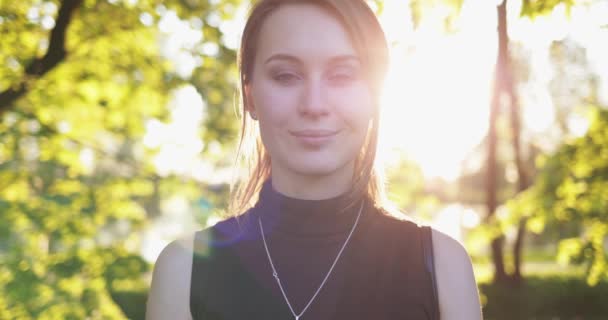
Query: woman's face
point(309, 93)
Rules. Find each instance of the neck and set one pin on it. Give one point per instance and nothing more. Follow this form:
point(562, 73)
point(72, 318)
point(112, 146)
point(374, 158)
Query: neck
point(312, 187)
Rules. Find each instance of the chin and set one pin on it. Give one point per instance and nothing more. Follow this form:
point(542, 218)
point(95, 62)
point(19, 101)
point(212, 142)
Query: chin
point(315, 171)
point(317, 167)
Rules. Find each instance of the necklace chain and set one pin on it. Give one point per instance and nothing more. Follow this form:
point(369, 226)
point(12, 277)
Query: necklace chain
point(276, 275)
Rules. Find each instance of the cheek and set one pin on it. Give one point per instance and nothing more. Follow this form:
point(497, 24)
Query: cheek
point(272, 104)
point(354, 105)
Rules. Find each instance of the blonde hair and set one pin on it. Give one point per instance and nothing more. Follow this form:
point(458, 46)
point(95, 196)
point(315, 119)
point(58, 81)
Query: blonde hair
point(370, 43)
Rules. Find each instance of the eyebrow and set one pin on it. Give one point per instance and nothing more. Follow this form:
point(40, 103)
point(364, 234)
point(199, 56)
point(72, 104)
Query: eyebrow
point(332, 60)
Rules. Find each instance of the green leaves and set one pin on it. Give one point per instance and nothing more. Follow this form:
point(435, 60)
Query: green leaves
point(76, 181)
point(449, 11)
point(534, 8)
point(570, 190)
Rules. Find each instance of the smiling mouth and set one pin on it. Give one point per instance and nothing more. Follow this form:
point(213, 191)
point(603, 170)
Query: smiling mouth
point(313, 133)
point(314, 138)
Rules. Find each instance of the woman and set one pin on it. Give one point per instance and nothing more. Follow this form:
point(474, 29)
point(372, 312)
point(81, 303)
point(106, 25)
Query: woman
point(311, 239)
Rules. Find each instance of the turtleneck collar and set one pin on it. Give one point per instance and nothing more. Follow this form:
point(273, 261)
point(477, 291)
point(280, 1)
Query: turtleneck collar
point(286, 216)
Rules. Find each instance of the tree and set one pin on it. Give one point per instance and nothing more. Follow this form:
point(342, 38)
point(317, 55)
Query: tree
point(504, 99)
point(571, 189)
point(505, 86)
point(82, 78)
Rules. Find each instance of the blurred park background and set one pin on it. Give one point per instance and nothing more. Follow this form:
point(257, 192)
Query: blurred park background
point(118, 128)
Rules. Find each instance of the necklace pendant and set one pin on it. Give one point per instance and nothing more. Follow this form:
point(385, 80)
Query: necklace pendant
point(297, 317)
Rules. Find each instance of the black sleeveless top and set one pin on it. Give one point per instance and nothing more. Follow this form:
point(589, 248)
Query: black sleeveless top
point(380, 274)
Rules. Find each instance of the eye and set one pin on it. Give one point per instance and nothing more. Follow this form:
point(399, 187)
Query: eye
point(286, 78)
point(342, 76)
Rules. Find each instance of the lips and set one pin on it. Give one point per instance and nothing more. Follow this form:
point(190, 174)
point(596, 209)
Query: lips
point(314, 138)
point(314, 133)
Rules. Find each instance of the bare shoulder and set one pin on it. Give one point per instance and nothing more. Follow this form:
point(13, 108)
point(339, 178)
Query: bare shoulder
point(457, 289)
point(169, 296)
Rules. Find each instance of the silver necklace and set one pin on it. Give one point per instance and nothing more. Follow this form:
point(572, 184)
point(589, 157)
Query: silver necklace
point(276, 275)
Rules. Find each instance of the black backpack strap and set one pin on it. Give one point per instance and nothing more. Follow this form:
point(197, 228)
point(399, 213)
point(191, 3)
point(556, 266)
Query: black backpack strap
point(429, 262)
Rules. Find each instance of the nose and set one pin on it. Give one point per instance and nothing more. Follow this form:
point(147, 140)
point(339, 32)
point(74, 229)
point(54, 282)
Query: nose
point(313, 102)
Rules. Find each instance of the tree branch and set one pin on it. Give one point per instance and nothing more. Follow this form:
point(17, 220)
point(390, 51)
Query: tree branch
point(55, 53)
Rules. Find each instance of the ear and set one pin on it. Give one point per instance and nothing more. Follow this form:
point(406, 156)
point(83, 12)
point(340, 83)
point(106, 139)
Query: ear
point(249, 105)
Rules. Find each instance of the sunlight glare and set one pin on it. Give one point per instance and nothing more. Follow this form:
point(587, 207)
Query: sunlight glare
point(448, 221)
point(437, 95)
point(435, 105)
point(87, 159)
point(454, 217)
point(178, 41)
point(179, 141)
point(470, 218)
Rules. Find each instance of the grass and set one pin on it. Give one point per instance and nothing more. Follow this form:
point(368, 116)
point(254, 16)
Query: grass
point(550, 292)
point(484, 271)
point(546, 297)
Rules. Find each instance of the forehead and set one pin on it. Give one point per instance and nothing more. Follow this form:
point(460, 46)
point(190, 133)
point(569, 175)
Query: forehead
point(306, 31)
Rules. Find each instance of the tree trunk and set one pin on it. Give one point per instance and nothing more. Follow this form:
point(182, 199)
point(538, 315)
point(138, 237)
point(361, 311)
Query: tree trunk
point(491, 185)
point(500, 274)
point(522, 176)
point(522, 183)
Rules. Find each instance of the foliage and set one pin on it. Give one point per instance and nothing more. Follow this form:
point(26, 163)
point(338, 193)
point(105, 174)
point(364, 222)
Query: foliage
point(76, 180)
point(405, 189)
point(534, 8)
point(450, 9)
point(419, 9)
point(572, 188)
point(132, 303)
